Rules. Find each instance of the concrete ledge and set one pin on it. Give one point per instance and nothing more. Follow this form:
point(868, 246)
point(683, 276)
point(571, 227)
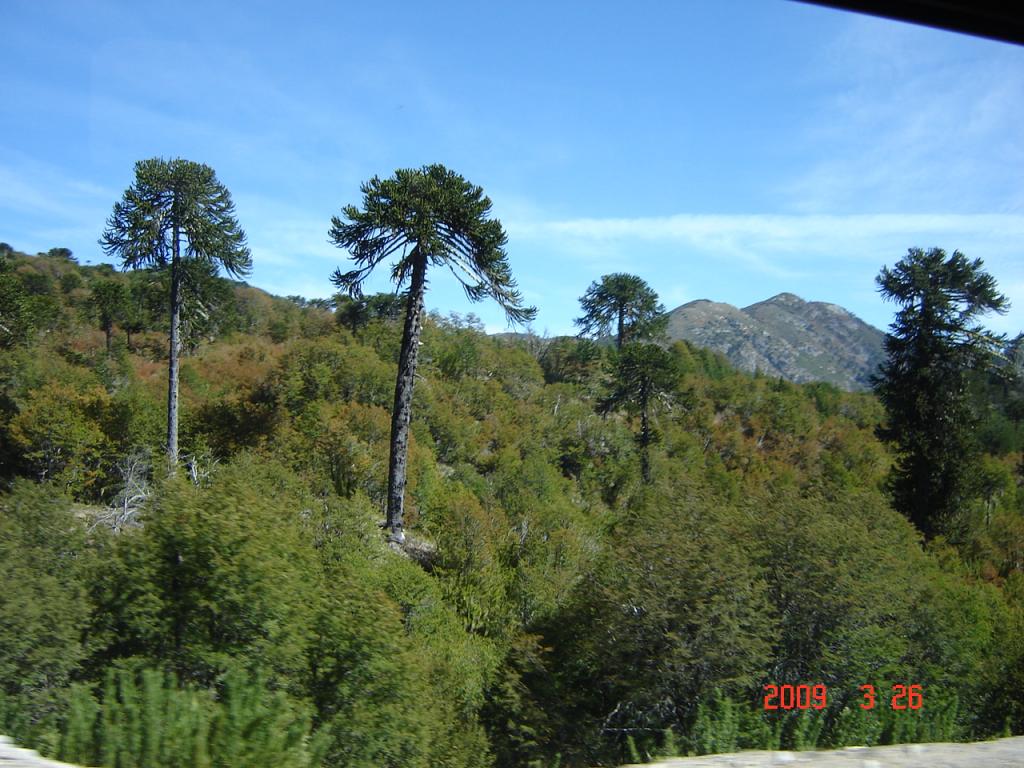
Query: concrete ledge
point(1001, 753)
point(12, 756)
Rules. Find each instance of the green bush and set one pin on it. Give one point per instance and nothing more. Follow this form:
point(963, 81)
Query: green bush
point(147, 720)
point(716, 727)
point(43, 607)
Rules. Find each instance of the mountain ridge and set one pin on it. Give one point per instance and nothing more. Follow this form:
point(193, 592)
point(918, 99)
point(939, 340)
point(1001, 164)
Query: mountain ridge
point(785, 336)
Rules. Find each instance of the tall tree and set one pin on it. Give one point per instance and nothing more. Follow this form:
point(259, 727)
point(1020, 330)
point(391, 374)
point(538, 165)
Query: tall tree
point(624, 303)
point(644, 374)
point(175, 214)
point(933, 344)
point(110, 301)
point(429, 216)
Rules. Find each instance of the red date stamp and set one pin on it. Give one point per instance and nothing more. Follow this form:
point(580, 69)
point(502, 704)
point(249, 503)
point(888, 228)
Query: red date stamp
point(788, 697)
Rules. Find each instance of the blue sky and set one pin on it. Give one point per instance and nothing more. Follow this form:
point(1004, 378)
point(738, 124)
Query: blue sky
point(721, 149)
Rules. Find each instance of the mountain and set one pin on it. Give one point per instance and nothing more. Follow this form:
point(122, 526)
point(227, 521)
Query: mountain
point(785, 336)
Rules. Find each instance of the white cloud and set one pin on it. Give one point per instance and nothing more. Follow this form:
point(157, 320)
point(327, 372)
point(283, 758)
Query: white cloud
point(674, 295)
point(42, 207)
point(752, 236)
point(746, 257)
point(286, 234)
point(28, 187)
point(918, 120)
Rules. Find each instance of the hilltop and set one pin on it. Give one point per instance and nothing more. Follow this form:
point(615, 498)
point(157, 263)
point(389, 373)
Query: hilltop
point(801, 341)
point(784, 336)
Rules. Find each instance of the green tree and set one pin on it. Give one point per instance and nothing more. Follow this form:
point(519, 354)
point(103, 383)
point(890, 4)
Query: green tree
point(176, 213)
point(350, 312)
point(643, 375)
point(355, 312)
point(209, 581)
point(625, 303)
point(110, 301)
point(674, 610)
point(43, 605)
point(933, 344)
point(16, 322)
point(429, 216)
point(61, 253)
point(59, 436)
point(134, 320)
point(386, 306)
point(567, 358)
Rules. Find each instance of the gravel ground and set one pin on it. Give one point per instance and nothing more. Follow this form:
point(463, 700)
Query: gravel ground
point(16, 757)
point(1003, 753)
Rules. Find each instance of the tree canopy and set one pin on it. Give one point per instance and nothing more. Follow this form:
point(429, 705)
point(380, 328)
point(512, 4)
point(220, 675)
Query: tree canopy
point(624, 305)
point(434, 215)
point(932, 346)
point(643, 375)
point(176, 210)
point(110, 301)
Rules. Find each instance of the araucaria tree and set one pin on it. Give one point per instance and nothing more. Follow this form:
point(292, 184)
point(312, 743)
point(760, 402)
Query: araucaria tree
point(175, 214)
point(624, 303)
point(424, 217)
point(110, 301)
point(644, 376)
point(931, 347)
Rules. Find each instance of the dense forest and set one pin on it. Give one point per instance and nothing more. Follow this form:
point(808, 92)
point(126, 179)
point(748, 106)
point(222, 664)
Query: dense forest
point(598, 566)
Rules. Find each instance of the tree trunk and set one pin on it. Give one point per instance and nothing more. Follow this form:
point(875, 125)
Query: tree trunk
point(401, 413)
point(108, 329)
point(175, 351)
point(622, 327)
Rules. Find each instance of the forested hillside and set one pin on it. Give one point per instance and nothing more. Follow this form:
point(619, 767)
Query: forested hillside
point(549, 606)
point(801, 341)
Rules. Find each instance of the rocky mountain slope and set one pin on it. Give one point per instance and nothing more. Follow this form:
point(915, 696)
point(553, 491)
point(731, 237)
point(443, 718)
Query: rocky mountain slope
point(785, 336)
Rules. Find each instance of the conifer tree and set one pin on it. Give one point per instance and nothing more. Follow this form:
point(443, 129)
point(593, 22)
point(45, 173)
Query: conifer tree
point(134, 320)
point(176, 214)
point(110, 300)
point(623, 303)
point(932, 345)
point(643, 375)
point(429, 216)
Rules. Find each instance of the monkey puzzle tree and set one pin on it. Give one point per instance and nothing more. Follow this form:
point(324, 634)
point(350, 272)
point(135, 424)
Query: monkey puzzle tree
point(932, 346)
point(176, 214)
point(110, 301)
point(428, 216)
point(625, 303)
point(644, 374)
